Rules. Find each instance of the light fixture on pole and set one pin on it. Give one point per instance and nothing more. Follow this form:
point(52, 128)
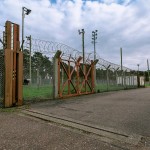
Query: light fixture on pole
point(94, 38)
point(25, 11)
point(82, 32)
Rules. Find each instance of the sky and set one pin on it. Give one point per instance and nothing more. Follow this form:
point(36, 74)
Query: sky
point(120, 23)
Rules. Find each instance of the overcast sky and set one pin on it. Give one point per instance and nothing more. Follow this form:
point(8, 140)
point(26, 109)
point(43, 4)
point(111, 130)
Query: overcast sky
point(120, 23)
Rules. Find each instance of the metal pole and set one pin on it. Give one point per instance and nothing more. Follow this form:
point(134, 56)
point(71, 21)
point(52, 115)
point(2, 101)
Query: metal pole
point(94, 59)
point(138, 77)
point(30, 69)
point(82, 32)
point(94, 37)
point(107, 79)
point(94, 48)
point(121, 65)
point(23, 15)
point(148, 71)
point(83, 46)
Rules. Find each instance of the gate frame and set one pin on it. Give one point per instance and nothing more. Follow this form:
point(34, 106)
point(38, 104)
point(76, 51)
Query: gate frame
point(57, 61)
point(13, 66)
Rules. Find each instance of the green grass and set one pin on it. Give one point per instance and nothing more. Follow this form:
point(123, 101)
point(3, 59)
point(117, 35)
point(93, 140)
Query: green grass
point(147, 84)
point(45, 92)
point(103, 87)
point(9, 110)
point(34, 92)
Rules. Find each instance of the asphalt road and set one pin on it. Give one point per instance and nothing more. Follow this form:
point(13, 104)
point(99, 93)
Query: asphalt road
point(127, 111)
point(24, 133)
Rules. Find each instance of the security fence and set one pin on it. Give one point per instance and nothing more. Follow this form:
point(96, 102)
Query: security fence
point(38, 71)
point(1, 79)
point(1, 66)
point(110, 77)
point(39, 67)
point(44, 77)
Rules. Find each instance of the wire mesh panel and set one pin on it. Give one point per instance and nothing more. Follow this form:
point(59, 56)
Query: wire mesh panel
point(38, 68)
point(110, 77)
point(1, 79)
point(38, 82)
point(1, 67)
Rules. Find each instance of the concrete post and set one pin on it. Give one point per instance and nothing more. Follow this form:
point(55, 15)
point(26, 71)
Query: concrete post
point(56, 79)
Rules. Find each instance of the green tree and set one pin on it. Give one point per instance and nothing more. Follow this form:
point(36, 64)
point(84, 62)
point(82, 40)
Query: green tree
point(26, 55)
point(41, 63)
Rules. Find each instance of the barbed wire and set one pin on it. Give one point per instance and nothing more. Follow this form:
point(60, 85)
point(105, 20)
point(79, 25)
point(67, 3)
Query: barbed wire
point(1, 40)
point(49, 48)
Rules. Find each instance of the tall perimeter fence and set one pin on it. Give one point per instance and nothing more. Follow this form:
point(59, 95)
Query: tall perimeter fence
point(38, 70)
point(1, 65)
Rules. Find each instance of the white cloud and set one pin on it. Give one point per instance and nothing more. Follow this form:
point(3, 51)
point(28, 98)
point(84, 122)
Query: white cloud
point(119, 25)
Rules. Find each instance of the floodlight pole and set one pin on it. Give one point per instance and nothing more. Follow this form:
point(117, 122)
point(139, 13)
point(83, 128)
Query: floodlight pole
point(82, 32)
point(25, 11)
point(121, 66)
point(94, 37)
point(30, 67)
point(23, 16)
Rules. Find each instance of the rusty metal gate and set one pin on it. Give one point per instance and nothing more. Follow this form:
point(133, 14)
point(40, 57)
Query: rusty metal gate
point(72, 77)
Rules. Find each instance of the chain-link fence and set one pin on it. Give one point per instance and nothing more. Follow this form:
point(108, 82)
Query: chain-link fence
point(38, 67)
point(1, 67)
point(111, 77)
point(38, 70)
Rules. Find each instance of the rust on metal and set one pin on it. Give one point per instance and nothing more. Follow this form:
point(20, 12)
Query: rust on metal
point(78, 78)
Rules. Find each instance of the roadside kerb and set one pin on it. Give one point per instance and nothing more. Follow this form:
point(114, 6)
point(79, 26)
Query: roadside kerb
point(110, 134)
